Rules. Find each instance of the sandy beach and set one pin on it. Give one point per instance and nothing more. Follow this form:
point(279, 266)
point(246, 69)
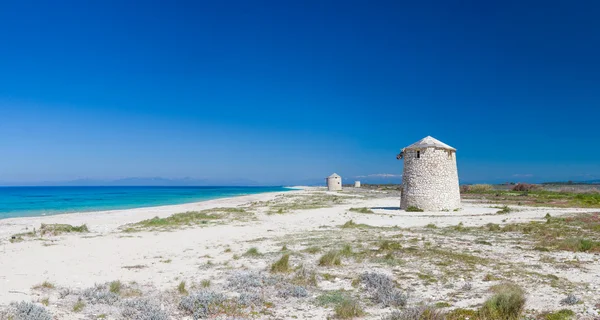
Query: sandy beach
point(306, 223)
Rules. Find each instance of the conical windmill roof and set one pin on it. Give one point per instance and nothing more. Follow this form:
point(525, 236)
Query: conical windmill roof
point(335, 175)
point(429, 142)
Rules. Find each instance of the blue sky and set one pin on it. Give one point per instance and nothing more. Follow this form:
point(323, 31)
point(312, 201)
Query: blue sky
point(294, 90)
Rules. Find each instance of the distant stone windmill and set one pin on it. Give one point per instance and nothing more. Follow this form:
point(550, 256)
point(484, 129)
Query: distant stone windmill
point(430, 176)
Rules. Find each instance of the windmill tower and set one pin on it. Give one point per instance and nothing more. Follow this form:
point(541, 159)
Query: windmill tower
point(430, 176)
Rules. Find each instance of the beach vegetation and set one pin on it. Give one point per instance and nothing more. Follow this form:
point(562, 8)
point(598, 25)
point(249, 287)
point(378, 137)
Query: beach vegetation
point(413, 209)
point(79, 305)
point(57, 229)
point(382, 289)
point(45, 301)
point(331, 298)
point(361, 210)
point(181, 288)
point(281, 265)
point(205, 283)
point(189, 218)
point(253, 252)
point(313, 250)
point(28, 311)
point(507, 303)
point(563, 314)
point(115, 287)
point(348, 308)
point(351, 224)
point(331, 258)
point(45, 285)
point(504, 210)
point(417, 313)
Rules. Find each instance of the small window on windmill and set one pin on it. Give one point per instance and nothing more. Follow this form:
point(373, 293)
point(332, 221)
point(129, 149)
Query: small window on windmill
point(449, 154)
point(418, 154)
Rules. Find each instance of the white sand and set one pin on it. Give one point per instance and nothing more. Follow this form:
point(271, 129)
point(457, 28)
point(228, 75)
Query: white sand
point(77, 261)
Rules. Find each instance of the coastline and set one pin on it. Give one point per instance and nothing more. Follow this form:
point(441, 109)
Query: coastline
point(110, 220)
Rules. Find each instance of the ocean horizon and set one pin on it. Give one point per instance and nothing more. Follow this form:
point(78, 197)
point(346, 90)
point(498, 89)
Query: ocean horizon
point(30, 201)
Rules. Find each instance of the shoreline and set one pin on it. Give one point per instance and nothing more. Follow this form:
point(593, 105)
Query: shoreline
point(103, 218)
point(127, 207)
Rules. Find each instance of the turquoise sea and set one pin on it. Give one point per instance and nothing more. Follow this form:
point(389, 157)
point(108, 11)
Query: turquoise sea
point(37, 201)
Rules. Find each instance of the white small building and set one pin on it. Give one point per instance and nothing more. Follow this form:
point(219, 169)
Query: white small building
point(334, 182)
point(357, 184)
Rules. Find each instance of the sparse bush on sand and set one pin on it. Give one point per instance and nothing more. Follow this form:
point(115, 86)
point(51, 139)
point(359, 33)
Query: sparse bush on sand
point(413, 209)
point(331, 258)
point(507, 303)
point(348, 309)
point(526, 187)
point(361, 210)
point(28, 311)
point(202, 304)
point(143, 309)
point(100, 294)
point(417, 313)
point(383, 290)
point(181, 288)
point(281, 265)
point(476, 188)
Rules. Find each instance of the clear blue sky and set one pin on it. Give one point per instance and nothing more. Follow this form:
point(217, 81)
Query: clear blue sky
point(273, 90)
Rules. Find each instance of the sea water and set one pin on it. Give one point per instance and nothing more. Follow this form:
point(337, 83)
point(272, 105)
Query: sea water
point(37, 201)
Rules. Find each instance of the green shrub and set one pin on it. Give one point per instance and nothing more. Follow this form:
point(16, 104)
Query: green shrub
point(563, 314)
point(348, 309)
point(413, 209)
point(507, 303)
point(331, 258)
point(281, 265)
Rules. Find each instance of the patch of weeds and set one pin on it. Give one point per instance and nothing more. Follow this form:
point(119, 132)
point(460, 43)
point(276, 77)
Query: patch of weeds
point(292, 291)
point(504, 210)
point(100, 294)
point(462, 314)
point(352, 224)
point(507, 303)
point(115, 287)
point(28, 311)
point(166, 261)
point(203, 304)
point(483, 242)
point(563, 314)
point(331, 258)
point(177, 220)
point(413, 209)
point(490, 277)
point(45, 301)
point(253, 252)
point(79, 305)
point(281, 265)
point(143, 309)
point(442, 304)
point(346, 250)
point(431, 226)
point(383, 290)
point(541, 249)
point(45, 285)
point(305, 277)
point(205, 283)
point(361, 210)
point(181, 288)
point(416, 313)
point(348, 309)
point(570, 300)
point(387, 245)
point(313, 250)
point(330, 298)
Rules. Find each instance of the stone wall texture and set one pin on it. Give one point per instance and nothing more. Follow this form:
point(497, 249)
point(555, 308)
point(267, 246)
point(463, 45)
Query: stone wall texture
point(334, 183)
point(430, 182)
